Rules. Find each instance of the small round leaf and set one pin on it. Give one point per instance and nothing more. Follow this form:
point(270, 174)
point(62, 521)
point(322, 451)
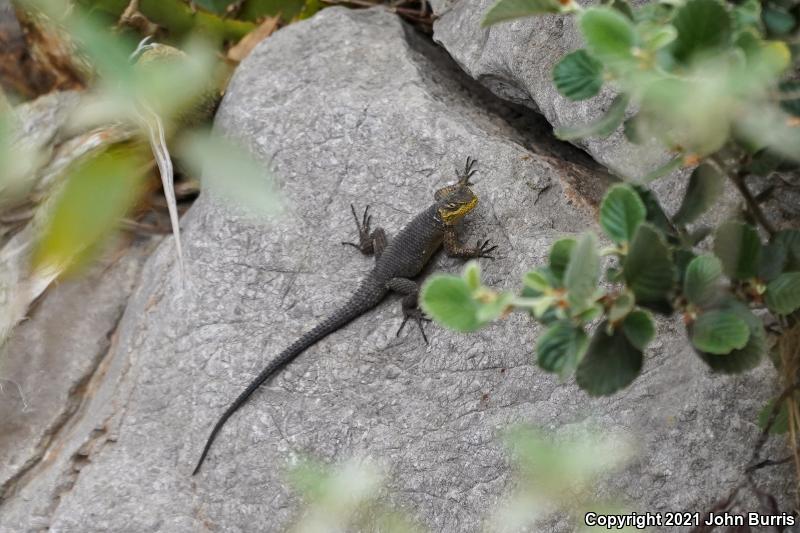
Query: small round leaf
point(738, 246)
point(448, 300)
point(561, 347)
point(609, 35)
point(701, 285)
point(621, 213)
point(719, 332)
point(648, 268)
point(703, 26)
point(560, 254)
point(639, 328)
point(582, 274)
point(611, 363)
point(578, 75)
point(783, 293)
point(705, 186)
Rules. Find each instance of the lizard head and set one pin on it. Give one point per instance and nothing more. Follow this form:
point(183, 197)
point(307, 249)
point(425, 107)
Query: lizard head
point(456, 203)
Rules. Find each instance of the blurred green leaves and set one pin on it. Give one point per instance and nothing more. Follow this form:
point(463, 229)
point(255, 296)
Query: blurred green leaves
point(98, 191)
point(504, 10)
point(460, 302)
point(155, 97)
point(230, 173)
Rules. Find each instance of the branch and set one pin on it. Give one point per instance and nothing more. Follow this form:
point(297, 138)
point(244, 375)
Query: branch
point(738, 179)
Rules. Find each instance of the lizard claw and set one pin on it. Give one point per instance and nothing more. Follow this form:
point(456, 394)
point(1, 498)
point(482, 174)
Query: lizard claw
point(481, 249)
point(464, 177)
point(363, 226)
point(418, 317)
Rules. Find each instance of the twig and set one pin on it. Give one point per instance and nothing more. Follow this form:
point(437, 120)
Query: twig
point(737, 178)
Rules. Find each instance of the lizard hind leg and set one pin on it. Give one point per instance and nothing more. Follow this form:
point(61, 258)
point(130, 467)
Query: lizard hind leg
point(410, 291)
point(369, 242)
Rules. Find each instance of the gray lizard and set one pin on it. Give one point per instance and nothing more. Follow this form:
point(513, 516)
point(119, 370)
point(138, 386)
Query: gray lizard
point(396, 263)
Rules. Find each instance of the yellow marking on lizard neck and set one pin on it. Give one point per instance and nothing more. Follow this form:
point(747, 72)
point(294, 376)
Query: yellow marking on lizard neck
point(450, 217)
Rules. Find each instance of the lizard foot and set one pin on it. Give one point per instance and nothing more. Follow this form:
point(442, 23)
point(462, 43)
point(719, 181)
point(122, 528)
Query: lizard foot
point(481, 249)
point(364, 238)
point(418, 317)
point(464, 177)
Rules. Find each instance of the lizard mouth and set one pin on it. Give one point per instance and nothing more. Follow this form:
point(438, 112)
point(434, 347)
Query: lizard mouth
point(457, 214)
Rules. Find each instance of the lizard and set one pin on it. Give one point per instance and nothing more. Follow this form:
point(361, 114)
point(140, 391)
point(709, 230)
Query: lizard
point(396, 263)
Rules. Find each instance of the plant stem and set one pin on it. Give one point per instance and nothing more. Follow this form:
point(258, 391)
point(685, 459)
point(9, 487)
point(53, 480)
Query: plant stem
point(738, 179)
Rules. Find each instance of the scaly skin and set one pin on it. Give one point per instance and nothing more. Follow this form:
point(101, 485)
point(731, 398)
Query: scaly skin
point(395, 264)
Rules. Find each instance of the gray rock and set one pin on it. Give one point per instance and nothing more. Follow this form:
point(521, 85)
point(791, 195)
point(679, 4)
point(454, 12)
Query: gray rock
point(354, 107)
point(515, 60)
point(48, 363)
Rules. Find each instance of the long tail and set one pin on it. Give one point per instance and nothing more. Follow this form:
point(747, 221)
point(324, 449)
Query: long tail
point(360, 303)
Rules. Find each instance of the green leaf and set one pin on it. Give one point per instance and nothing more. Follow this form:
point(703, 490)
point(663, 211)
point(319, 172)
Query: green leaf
point(609, 36)
point(772, 260)
point(620, 5)
point(790, 105)
point(611, 363)
point(778, 21)
point(535, 280)
point(472, 275)
point(578, 75)
point(582, 273)
point(747, 16)
point(790, 240)
point(99, 190)
point(622, 305)
point(783, 293)
point(631, 128)
point(702, 281)
point(493, 309)
point(746, 358)
point(719, 332)
point(738, 246)
point(230, 173)
point(621, 213)
point(705, 186)
point(561, 348)
point(764, 162)
point(648, 268)
point(448, 300)
point(655, 213)
point(704, 26)
point(539, 280)
point(659, 172)
point(657, 35)
point(781, 423)
point(504, 10)
point(602, 127)
point(639, 328)
point(215, 6)
point(560, 254)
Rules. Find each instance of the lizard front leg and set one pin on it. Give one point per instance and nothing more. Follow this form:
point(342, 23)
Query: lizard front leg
point(410, 291)
point(369, 242)
point(454, 248)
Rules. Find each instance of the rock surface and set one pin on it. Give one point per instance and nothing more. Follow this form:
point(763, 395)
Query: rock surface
point(354, 107)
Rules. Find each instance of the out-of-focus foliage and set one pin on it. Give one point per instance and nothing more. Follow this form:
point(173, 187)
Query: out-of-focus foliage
point(345, 498)
point(141, 103)
point(551, 477)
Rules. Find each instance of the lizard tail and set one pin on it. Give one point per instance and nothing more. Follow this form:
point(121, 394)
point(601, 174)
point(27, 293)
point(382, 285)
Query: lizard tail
point(361, 302)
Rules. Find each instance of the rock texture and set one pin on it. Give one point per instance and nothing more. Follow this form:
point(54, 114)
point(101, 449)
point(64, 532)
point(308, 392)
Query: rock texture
point(354, 107)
